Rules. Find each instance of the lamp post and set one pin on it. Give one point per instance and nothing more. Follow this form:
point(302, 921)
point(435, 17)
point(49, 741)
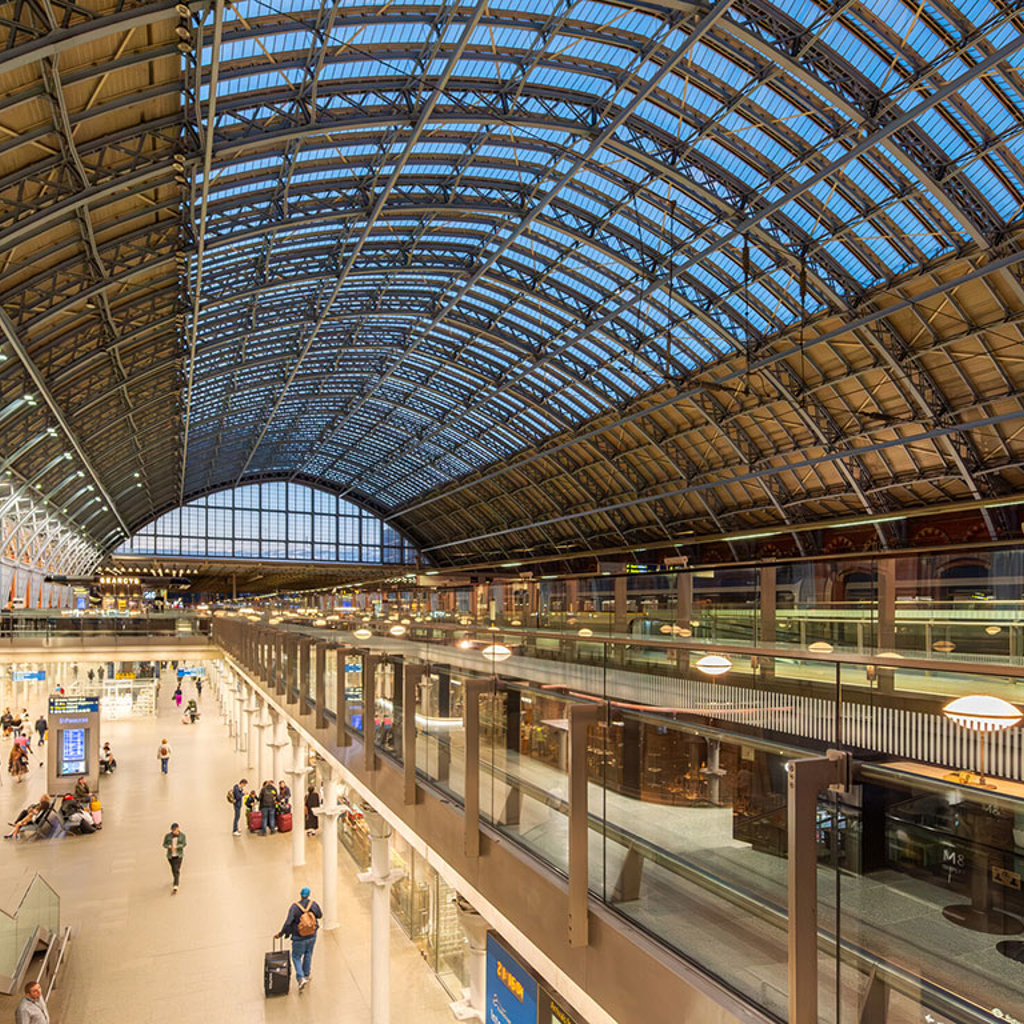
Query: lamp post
point(982, 714)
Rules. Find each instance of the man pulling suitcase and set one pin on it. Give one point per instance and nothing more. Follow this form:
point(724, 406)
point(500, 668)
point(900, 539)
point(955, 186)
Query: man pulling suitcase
point(301, 925)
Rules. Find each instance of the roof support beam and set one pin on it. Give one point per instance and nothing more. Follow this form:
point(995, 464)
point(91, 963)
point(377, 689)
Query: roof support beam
point(421, 123)
point(7, 329)
point(211, 115)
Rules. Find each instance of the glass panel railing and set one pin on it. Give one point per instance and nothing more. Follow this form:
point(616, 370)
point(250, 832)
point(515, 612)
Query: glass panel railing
point(39, 907)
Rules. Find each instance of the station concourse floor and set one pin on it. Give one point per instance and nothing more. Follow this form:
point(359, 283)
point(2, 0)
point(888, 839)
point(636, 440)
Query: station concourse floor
point(139, 953)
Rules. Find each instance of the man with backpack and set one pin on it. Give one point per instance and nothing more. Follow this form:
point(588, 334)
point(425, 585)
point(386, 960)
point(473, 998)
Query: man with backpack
point(268, 807)
point(163, 753)
point(301, 926)
point(236, 796)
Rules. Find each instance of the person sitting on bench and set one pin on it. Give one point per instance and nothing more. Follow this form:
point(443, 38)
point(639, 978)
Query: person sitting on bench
point(34, 814)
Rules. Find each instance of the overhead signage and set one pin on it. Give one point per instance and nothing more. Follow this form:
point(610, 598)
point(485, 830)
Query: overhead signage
point(124, 675)
point(74, 705)
point(199, 670)
point(353, 668)
point(511, 989)
point(23, 677)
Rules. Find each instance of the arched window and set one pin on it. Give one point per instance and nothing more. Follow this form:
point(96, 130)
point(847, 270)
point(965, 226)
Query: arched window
point(273, 521)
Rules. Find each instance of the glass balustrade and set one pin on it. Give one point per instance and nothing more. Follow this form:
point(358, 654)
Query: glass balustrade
point(39, 907)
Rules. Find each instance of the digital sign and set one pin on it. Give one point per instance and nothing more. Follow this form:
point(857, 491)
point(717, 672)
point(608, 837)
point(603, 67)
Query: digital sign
point(199, 670)
point(72, 752)
point(74, 705)
point(20, 677)
point(511, 989)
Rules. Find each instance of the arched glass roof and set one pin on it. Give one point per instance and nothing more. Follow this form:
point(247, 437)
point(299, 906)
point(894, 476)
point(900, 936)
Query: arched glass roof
point(400, 248)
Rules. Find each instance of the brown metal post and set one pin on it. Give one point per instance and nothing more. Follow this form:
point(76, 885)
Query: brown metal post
point(370, 663)
point(320, 685)
point(343, 739)
point(291, 682)
point(807, 778)
point(580, 717)
point(472, 689)
point(410, 683)
point(279, 679)
point(766, 636)
point(305, 650)
point(886, 618)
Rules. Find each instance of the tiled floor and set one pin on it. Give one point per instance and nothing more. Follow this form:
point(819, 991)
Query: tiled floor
point(143, 956)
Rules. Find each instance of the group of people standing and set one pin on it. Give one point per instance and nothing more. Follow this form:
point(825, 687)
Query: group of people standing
point(16, 724)
point(270, 802)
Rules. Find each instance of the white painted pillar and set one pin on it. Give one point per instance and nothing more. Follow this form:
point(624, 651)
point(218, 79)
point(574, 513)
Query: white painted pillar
point(279, 740)
point(328, 817)
point(474, 927)
point(249, 710)
point(380, 876)
point(261, 725)
point(297, 776)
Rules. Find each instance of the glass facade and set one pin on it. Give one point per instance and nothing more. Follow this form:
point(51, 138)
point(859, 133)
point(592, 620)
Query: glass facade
point(278, 521)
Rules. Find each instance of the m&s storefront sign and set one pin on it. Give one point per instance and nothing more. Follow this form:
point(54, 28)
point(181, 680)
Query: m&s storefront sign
point(511, 989)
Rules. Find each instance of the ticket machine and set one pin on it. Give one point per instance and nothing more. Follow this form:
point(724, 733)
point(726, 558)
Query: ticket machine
point(73, 743)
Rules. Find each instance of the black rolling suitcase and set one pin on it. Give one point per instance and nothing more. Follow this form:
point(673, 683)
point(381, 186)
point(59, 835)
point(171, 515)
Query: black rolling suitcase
point(277, 971)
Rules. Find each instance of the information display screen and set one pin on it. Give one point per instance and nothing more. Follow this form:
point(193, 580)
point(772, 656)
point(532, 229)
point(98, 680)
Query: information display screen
point(72, 752)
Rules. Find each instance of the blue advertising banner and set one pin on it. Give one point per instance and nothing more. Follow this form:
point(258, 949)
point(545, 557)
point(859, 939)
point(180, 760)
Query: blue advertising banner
point(199, 670)
point(20, 677)
point(511, 989)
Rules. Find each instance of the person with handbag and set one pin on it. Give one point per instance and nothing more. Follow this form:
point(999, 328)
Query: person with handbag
point(301, 926)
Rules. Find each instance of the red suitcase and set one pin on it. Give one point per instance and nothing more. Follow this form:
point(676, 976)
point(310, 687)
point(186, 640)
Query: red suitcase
point(255, 821)
point(284, 821)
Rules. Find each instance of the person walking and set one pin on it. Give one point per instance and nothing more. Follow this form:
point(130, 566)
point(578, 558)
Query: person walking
point(32, 1008)
point(237, 798)
point(312, 803)
point(301, 926)
point(268, 807)
point(177, 696)
point(41, 728)
point(163, 753)
point(174, 844)
point(199, 688)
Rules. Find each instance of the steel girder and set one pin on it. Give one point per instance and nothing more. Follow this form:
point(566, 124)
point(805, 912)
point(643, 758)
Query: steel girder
point(96, 315)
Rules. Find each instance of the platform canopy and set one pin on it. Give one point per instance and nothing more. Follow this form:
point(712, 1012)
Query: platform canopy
point(521, 276)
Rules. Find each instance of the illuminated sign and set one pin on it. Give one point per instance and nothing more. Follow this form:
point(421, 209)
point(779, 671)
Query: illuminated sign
point(22, 677)
point(124, 675)
point(199, 670)
point(117, 581)
point(511, 989)
point(74, 705)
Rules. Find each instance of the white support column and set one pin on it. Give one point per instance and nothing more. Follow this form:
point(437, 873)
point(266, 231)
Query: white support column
point(249, 710)
point(279, 740)
point(380, 876)
point(474, 927)
point(297, 775)
point(261, 724)
point(328, 816)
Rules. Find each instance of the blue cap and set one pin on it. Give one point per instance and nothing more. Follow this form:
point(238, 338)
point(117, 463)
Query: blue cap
point(305, 891)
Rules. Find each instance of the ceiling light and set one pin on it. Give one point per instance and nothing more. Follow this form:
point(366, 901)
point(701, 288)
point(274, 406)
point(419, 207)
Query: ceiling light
point(714, 664)
point(993, 630)
point(496, 652)
point(586, 632)
point(820, 647)
point(397, 630)
point(944, 646)
point(362, 633)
